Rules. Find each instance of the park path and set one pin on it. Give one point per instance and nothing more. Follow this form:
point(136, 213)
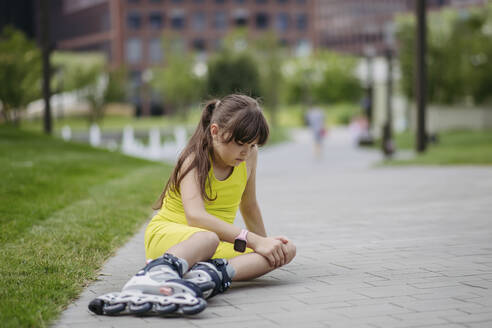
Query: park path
point(377, 247)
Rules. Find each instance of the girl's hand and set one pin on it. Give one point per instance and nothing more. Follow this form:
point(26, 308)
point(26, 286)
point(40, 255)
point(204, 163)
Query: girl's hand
point(271, 248)
point(285, 249)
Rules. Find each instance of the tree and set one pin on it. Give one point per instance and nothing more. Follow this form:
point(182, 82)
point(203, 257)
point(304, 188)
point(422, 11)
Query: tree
point(177, 81)
point(20, 73)
point(88, 76)
point(230, 72)
point(233, 69)
point(324, 77)
point(270, 58)
point(459, 52)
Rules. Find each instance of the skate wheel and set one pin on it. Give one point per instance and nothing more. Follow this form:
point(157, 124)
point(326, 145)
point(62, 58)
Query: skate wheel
point(96, 306)
point(166, 309)
point(113, 308)
point(140, 308)
point(194, 309)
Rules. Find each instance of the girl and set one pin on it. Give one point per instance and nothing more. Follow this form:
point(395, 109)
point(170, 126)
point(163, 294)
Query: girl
point(214, 175)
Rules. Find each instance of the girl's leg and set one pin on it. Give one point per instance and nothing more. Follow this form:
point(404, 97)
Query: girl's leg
point(199, 247)
point(254, 265)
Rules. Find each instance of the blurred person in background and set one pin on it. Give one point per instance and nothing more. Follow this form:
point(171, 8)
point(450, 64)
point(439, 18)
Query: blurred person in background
point(315, 118)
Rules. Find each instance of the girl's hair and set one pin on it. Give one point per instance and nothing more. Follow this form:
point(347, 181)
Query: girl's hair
point(239, 118)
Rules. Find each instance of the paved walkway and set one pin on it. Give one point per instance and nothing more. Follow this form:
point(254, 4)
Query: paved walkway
point(377, 247)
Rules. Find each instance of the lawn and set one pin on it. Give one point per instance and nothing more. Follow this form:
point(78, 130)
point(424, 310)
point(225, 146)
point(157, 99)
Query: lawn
point(64, 209)
point(453, 148)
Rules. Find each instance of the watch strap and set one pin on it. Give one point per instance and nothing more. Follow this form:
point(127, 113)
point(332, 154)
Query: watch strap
point(243, 235)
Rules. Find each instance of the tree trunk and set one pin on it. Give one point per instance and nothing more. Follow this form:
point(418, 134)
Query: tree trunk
point(46, 50)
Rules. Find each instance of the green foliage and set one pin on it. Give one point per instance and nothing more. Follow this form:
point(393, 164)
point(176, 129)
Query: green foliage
point(325, 77)
point(342, 113)
point(270, 57)
point(20, 73)
point(459, 55)
point(177, 81)
point(234, 69)
point(233, 72)
point(65, 209)
point(87, 74)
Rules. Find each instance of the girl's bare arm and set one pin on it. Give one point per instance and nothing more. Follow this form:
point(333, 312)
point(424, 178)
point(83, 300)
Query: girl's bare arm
point(249, 207)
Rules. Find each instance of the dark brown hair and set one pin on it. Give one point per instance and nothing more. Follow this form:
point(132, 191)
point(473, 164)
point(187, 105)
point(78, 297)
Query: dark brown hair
point(239, 117)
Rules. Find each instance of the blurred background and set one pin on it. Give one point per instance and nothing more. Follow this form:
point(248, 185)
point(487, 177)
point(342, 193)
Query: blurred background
point(150, 64)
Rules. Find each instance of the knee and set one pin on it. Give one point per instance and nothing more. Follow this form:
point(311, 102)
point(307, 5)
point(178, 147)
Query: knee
point(209, 239)
point(291, 251)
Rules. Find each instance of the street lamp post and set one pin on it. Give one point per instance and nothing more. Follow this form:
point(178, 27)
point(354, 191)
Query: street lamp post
point(421, 76)
point(369, 53)
point(387, 140)
point(46, 52)
point(365, 139)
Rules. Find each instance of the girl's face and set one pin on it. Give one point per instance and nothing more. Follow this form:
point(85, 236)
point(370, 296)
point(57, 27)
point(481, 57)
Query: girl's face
point(231, 153)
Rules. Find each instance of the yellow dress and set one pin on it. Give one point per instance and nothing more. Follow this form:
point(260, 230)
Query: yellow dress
point(170, 227)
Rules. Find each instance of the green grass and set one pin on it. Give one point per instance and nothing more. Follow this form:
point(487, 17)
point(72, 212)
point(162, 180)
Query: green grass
point(64, 209)
point(112, 123)
point(453, 148)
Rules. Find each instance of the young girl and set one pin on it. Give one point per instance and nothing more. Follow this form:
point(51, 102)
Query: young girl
point(214, 175)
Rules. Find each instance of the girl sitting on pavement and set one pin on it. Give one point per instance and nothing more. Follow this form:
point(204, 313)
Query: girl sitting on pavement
point(214, 176)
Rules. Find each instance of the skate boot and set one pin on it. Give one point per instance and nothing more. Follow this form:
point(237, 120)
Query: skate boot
point(156, 289)
point(213, 276)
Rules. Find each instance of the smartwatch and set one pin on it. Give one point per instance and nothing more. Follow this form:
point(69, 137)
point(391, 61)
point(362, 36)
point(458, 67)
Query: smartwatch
point(241, 241)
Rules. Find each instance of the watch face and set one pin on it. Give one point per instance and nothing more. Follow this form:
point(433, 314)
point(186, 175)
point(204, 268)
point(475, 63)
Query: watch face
point(240, 245)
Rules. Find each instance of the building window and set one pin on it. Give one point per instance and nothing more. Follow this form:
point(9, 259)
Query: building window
point(283, 42)
point(133, 50)
point(198, 21)
point(178, 20)
point(282, 22)
point(199, 45)
point(262, 20)
point(133, 21)
point(220, 20)
point(301, 22)
point(240, 17)
point(155, 50)
point(156, 20)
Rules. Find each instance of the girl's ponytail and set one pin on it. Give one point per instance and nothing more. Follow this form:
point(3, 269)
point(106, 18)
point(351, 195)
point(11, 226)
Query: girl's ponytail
point(208, 112)
point(199, 147)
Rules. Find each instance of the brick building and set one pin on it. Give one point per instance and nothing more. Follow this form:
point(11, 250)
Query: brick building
point(130, 32)
point(353, 25)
